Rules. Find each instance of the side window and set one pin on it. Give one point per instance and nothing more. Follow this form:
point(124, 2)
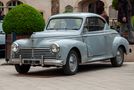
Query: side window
point(94, 24)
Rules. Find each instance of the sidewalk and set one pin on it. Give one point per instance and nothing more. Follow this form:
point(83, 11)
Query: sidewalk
point(130, 56)
point(3, 62)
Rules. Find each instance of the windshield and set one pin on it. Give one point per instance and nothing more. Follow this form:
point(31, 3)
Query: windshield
point(64, 24)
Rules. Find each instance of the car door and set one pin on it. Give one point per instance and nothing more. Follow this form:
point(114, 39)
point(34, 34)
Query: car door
point(94, 37)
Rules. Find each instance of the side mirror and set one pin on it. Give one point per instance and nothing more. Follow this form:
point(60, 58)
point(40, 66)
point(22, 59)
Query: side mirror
point(1, 32)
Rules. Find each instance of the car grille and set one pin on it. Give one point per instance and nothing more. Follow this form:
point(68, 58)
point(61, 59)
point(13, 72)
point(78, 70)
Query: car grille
point(35, 54)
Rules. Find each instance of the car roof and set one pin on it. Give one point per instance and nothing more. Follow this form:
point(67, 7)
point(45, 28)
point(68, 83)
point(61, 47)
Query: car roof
point(81, 15)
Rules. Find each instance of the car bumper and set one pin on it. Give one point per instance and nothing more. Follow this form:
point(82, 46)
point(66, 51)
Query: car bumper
point(37, 62)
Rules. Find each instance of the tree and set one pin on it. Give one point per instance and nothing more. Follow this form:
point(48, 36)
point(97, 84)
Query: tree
point(20, 22)
point(115, 5)
point(132, 4)
point(133, 21)
point(23, 19)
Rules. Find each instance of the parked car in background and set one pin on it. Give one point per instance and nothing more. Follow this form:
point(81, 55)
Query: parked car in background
point(68, 41)
point(2, 41)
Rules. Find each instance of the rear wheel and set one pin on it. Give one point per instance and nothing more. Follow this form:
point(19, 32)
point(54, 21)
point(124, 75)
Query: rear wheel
point(22, 69)
point(118, 60)
point(71, 66)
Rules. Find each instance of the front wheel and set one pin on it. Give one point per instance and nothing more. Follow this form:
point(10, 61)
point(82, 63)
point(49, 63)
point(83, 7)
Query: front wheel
point(22, 69)
point(118, 60)
point(71, 66)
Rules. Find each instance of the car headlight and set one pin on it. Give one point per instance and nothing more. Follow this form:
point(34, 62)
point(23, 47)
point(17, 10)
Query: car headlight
point(55, 48)
point(15, 47)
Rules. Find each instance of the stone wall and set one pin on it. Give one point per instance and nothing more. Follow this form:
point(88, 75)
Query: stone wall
point(50, 7)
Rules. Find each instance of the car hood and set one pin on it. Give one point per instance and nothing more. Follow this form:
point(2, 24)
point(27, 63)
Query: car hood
point(46, 38)
point(52, 33)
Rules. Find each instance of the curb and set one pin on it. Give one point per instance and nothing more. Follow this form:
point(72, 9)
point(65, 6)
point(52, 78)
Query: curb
point(4, 64)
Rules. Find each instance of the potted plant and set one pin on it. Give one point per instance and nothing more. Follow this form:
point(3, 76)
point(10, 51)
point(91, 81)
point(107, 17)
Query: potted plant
point(21, 22)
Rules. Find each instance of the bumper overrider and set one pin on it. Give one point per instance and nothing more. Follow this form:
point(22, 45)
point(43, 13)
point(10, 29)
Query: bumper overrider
point(37, 62)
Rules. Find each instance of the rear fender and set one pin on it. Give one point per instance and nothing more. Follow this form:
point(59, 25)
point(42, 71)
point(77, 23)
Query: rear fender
point(120, 41)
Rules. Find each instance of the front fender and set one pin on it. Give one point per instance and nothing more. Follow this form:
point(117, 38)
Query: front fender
point(120, 41)
point(24, 43)
point(67, 44)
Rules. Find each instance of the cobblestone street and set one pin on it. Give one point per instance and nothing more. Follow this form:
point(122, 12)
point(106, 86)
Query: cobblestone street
point(90, 77)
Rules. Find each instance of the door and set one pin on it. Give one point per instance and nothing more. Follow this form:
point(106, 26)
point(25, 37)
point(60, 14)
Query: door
point(94, 36)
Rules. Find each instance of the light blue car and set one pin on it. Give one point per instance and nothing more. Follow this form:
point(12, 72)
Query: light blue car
point(69, 40)
point(2, 41)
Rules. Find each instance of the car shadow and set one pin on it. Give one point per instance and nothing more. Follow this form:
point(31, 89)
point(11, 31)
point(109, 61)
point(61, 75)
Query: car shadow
point(58, 72)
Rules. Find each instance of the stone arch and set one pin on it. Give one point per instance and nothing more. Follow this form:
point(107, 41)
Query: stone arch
point(83, 5)
point(89, 5)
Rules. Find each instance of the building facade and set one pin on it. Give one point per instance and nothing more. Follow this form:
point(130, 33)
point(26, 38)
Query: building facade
point(51, 7)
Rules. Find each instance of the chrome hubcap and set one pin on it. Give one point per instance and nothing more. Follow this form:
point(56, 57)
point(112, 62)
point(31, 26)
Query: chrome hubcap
point(119, 57)
point(73, 62)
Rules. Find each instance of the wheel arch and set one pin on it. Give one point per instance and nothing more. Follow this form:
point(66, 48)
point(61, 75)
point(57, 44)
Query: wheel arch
point(120, 42)
point(78, 52)
point(123, 48)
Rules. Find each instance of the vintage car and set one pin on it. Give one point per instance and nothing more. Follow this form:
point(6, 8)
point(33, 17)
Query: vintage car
point(2, 41)
point(69, 40)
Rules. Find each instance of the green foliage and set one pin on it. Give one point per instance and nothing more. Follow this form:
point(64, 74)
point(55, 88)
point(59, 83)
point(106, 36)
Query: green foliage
point(68, 9)
point(115, 4)
point(133, 21)
point(23, 19)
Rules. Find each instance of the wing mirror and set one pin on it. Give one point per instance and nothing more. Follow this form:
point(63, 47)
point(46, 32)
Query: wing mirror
point(1, 32)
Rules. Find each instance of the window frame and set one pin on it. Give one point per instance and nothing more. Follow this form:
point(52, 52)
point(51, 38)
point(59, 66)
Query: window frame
point(11, 4)
point(99, 18)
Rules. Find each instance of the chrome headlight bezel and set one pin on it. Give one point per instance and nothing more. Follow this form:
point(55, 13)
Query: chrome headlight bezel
point(55, 48)
point(15, 47)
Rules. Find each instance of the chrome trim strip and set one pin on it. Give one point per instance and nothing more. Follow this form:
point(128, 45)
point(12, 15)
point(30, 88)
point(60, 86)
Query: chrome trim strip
point(42, 63)
point(35, 48)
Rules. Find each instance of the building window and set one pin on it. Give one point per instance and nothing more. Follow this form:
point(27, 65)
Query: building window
point(1, 11)
point(13, 3)
point(68, 8)
point(1, 6)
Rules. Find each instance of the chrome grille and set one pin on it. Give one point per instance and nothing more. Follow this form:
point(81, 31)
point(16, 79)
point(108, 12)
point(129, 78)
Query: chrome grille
point(35, 53)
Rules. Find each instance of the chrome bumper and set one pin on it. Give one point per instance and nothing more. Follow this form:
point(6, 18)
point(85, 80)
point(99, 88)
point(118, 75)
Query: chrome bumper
point(37, 62)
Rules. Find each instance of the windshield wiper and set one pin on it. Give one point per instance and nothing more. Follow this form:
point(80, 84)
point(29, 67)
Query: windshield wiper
point(62, 28)
point(50, 28)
